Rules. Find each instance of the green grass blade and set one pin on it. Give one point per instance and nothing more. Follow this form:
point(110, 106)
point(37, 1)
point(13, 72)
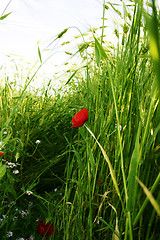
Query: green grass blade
point(150, 197)
point(112, 172)
point(152, 24)
point(73, 75)
point(4, 16)
point(39, 54)
point(153, 188)
point(132, 186)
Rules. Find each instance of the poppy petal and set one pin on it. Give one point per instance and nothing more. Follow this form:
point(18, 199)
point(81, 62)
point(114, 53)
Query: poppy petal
point(78, 124)
point(79, 118)
point(45, 229)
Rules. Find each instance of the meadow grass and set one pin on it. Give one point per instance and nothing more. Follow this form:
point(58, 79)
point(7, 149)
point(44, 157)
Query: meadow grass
point(99, 181)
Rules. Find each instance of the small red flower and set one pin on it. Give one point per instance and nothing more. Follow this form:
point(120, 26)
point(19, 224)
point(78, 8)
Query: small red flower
point(79, 118)
point(98, 182)
point(1, 153)
point(45, 229)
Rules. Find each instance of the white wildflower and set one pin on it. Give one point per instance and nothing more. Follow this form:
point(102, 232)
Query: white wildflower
point(29, 193)
point(9, 234)
point(31, 238)
point(11, 165)
point(38, 141)
point(15, 218)
point(98, 220)
point(15, 171)
point(23, 213)
point(120, 127)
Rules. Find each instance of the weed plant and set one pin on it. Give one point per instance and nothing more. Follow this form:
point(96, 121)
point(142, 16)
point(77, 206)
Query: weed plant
point(101, 180)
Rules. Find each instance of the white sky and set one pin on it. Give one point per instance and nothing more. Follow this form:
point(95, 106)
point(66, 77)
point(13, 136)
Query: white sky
point(39, 20)
point(33, 21)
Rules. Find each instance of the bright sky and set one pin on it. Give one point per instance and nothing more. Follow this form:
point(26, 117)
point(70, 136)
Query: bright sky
point(33, 21)
point(40, 20)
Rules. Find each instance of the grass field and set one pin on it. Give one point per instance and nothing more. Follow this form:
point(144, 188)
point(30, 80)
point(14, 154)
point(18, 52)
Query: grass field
point(100, 180)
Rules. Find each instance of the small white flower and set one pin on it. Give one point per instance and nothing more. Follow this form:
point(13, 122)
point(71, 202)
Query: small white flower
point(23, 214)
point(1, 145)
point(29, 193)
point(9, 234)
point(31, 238)
point(5, 133)
point(98, 220)
point(11, 165)
point(120, 127)
point(15, 171)
point(15, 218)
point(55, 189)
point(38, 141)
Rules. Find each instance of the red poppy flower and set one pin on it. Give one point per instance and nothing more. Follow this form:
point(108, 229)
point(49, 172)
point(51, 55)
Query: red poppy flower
point(1, 153)
point(45, 229)
point(79, 118)
point(98, 182)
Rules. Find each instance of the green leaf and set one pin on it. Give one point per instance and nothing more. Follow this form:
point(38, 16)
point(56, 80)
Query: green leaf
point(132, 185)
point(116, 10)
point(152, 24)
point(4, 16)
point(2, 170)
point(62, 33)
point(39, 54)
point(152, 138)
point(97, 55)
point(100, 49)
point(73, 75)
point(109, 226)
point(150, 197)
